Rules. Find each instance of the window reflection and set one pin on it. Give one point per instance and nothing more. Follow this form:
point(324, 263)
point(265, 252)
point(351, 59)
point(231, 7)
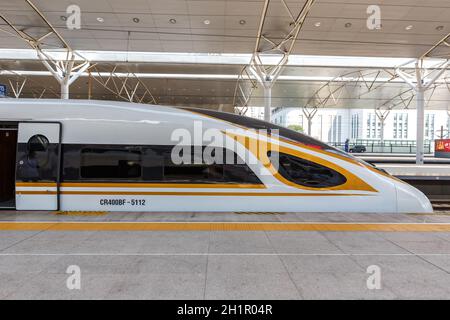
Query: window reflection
point(306, 173)
point(38, 160)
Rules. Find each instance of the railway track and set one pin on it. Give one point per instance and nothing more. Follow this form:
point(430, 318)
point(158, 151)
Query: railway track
point(441, 204)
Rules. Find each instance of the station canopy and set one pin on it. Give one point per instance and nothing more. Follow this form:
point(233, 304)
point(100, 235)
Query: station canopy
point(191, 52)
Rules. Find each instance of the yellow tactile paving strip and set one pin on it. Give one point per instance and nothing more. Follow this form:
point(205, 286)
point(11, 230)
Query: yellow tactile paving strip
point(221, 226)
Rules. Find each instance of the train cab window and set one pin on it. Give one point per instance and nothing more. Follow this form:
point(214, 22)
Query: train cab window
point(109, 163)
point(37, 159)
point(306, 173)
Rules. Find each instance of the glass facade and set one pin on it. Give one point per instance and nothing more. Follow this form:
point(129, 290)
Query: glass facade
point(355, 126)
point(373, 129)
point(400, 126)
point(429, 126)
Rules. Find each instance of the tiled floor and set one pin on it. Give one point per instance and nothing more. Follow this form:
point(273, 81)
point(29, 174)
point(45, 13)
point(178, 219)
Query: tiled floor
point(224, 264)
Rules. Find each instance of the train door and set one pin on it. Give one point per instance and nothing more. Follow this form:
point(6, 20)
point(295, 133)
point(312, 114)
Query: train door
point(37, 166)
point(8, 143)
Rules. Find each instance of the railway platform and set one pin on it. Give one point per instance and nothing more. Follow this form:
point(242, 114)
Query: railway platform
point(224, 255)
point(415, 172)
point(379, 158)
point(432, 179)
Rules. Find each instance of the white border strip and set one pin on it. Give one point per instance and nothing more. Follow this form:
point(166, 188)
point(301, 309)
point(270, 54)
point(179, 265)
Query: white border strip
point(216, 58)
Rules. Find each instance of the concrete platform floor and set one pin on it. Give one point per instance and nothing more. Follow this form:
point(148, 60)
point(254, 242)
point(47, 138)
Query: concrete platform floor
point(211, 264)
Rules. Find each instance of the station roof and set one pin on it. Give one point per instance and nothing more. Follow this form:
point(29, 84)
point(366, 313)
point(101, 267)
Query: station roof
point(230, 26)
point(218, 27)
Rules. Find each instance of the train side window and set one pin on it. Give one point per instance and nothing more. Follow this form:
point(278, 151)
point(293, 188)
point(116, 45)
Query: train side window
point(38, 159)
point(150, 163)
point(306, 173)
point(153, 163)
point(160, 167)
point(232, 173)
point(110, 163)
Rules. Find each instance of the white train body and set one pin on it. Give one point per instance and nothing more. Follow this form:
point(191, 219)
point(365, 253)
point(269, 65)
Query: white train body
point(73, 138)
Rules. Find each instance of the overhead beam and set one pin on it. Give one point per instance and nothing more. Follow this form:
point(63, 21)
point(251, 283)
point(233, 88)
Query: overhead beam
point(23, 86)
point(124, 84)
point(64, 69)
point(440, 50)
point(269, 45)
point(330, 94)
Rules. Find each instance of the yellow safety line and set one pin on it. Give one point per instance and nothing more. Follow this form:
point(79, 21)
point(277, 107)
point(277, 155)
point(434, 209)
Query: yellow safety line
point(144, 185)
point(188, 193)
point(221, 226)
point(80, 213)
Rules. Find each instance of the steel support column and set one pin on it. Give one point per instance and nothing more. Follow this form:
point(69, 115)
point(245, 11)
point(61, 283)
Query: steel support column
point(420, 82)
point(309, 126)
point(64, 90)
point(420, 108)
point(382, 133)
point(309, 114)
point(382, 115)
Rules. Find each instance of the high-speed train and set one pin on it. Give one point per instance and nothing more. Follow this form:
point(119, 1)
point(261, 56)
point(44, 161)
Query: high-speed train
point(78, 155)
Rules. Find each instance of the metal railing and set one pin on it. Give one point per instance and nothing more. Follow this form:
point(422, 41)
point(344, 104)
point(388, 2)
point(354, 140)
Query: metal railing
point(388, 142)
point(376, 147)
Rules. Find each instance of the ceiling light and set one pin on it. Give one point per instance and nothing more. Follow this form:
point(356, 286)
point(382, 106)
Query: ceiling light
point(317, 24)
point(172, 21)
point(100, 19)
point(440, 28)
point(63, 18)
point(348, 24)
point(206, 21)
point(136, 20)
point(242, 22)
point(409, 27)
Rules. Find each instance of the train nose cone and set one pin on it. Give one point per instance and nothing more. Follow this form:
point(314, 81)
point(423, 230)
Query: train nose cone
point(412, 200)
